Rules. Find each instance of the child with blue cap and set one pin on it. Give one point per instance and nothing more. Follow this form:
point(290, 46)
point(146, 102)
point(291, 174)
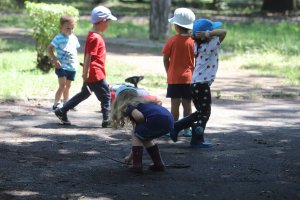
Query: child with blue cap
point(149, 120)
point(206, 48)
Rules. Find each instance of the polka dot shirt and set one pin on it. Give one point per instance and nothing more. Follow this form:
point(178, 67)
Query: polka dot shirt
point(206, 61)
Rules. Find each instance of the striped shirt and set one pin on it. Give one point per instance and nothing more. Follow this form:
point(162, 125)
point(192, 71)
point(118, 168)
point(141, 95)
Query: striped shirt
point(66, 50)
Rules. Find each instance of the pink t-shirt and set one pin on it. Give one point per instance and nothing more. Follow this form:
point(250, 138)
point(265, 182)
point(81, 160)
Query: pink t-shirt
point(180, 50)
point(206, 61)
point(95, 46)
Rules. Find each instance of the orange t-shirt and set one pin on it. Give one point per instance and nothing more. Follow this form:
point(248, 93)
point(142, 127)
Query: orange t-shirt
point(180, 49)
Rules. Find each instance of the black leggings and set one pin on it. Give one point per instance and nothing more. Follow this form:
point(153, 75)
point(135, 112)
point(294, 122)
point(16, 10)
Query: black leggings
point(202, 100)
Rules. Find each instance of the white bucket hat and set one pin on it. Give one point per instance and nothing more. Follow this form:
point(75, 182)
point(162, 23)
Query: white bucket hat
point(183, 17)
point(101, 13)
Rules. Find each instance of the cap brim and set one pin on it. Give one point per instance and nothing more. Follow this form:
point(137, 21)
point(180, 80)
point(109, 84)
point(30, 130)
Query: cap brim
point(216, 24)
point(172, 21)
point(111, 17)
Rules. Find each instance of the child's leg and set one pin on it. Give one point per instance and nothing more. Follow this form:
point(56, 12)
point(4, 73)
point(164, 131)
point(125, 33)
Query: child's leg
point(137, 154)
point(60, 90)
point(153, 151)
point(202, 102)
point(175, 103)
point(187, 110)
point(67, 90)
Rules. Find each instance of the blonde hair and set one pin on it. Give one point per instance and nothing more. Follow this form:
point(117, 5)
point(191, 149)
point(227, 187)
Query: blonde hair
point(66, 18)
point(120, 105)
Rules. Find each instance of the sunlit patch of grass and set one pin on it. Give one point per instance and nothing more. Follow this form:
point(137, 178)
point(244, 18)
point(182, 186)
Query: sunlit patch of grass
point(270, 64)
point(15, 45)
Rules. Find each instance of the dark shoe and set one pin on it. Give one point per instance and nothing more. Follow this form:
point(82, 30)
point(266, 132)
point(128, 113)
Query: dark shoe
point(106, 124)
point(158, 164)
point(62, 116)
point(137, 159)
point(54, 107)
point(173, 135)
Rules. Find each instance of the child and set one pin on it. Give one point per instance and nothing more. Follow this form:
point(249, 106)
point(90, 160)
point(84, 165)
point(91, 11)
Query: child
point(94, 76)
point(178, 57)
point(149, 120)
point(65, 44)
point(207, 45)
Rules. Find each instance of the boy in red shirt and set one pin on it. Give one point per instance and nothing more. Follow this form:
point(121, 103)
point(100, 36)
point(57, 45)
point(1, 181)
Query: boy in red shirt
point(178, 55)
point(93, 74)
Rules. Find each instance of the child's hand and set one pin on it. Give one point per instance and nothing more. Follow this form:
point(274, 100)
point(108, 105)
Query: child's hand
point(84, 76)
point(57, 64)
point(201, 35)
point(128, 159)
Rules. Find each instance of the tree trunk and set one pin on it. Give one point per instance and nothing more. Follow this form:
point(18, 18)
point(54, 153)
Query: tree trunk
point(159, 14)
point(278, 5)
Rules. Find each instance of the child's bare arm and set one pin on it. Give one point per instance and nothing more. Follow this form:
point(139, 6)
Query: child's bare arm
point(86, 65)
point(50, 50)
point(128, 158)
point(221, 33)
point(137, 116)
point(166, 62)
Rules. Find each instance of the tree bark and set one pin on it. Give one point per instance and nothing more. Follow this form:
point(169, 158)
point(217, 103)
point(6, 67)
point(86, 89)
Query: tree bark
point(278, 5)
point(159, 14)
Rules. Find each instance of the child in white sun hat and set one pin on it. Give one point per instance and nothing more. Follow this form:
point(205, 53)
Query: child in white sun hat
point(207, 45)
point(178, 58)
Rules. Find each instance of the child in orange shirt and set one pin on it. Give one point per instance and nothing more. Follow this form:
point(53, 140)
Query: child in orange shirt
point(178, 56)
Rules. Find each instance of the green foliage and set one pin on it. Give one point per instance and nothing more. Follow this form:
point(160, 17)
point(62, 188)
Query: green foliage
point(45, 21)
point(282, 38)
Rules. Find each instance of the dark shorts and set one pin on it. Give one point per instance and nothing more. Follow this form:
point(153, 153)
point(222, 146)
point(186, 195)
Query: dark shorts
point(179, 91)
point(70, 75)
point(154, 127)
point(149, 134)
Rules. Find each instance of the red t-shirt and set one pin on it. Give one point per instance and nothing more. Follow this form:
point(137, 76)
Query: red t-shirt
point(180, 49)
point(95, 46)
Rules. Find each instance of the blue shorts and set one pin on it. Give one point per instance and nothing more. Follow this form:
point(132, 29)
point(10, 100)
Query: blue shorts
point(150, 134)
point(70, 75)
point(154, 127)
point(179, 91)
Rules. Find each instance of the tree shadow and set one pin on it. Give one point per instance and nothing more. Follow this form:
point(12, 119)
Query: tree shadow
point(254, 152)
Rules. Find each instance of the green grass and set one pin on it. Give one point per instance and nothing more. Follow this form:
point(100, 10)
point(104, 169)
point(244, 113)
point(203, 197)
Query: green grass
point(282, 38)
point(268, 48)
point(274, 64)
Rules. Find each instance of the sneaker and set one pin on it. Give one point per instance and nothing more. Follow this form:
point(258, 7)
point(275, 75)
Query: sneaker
point(187, 133)
point(54, 107)
point(62, 116)
point(106, 123)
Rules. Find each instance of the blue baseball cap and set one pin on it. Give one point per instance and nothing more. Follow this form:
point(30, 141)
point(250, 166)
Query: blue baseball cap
point(205, 25)
point(125, 87)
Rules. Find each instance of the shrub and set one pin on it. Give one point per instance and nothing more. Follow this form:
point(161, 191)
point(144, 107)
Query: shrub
point(45, 20)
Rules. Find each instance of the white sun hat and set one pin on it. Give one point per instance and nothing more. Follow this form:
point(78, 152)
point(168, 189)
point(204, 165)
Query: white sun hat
point(101, 13)
point(183, 17)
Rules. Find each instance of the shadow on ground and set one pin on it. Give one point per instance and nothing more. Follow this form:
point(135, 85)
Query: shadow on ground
point(255, 156)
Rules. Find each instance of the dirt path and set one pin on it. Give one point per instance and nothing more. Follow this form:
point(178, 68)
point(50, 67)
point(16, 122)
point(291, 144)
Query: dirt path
point(255, 154)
